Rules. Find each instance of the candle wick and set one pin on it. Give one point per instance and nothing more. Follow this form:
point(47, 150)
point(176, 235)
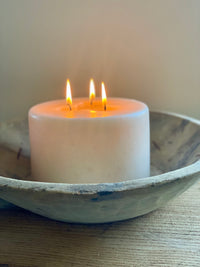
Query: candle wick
point(91, 99)
point(70, 108)
point(105, 107)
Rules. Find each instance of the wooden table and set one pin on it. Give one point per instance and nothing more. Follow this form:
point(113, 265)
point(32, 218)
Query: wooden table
point(169, 236)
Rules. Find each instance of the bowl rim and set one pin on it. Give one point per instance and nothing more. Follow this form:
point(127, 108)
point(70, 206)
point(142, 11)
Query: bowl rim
point(128, 185)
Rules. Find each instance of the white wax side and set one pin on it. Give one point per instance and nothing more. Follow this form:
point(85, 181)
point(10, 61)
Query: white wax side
point(89, 150)
point(81, 108)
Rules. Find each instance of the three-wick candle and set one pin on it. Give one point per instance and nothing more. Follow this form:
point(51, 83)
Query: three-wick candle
point(89, 141)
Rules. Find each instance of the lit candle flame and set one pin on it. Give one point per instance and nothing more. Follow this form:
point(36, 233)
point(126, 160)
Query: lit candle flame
point(92, 91)
point(68, 95)
point(103, 94)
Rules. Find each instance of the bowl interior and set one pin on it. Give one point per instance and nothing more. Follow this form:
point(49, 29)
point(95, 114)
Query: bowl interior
point(175, 143)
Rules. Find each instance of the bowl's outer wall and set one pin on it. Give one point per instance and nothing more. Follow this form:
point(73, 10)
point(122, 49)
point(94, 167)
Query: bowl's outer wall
point(99, 207)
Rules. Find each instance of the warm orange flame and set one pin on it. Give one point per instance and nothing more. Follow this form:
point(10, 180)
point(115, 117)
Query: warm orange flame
point(92, 90)
point(103, 95)
point(68, 94)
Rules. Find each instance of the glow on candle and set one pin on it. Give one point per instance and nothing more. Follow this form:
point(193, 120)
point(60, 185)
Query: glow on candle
point(68, 95)
point(103, 95)
point(80, 138)
point(92, 91)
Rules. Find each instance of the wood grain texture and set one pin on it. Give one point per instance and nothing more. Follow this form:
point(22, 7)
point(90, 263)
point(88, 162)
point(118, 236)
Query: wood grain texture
point(169, 236)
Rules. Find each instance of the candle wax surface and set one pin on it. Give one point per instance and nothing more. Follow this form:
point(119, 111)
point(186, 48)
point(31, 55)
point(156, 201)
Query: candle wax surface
point(89, 144)
point(81, 108)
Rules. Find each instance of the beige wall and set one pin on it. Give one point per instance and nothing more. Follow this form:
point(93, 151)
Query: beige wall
point(148, 50)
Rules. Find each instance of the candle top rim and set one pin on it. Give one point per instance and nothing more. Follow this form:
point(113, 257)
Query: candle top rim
point(82, 110)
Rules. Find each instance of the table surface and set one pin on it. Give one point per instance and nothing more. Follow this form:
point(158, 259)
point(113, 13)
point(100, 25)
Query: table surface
point(169, 236)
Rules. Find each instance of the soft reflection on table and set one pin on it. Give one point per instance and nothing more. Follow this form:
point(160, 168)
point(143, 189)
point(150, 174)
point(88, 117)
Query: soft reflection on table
point(169, 236)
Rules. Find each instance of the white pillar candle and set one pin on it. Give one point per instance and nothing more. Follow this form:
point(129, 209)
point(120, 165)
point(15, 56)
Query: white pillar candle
point(89, 144)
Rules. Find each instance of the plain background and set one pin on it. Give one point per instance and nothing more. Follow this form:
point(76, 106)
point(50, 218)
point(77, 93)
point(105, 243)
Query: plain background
point(147, 50)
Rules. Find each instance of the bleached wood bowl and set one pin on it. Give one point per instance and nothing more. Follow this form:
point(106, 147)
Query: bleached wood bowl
point(175, 166)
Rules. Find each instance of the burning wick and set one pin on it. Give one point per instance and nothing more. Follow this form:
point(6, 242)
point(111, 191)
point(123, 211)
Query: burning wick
point(68, 95)
point(103, 94)
point(92, 91)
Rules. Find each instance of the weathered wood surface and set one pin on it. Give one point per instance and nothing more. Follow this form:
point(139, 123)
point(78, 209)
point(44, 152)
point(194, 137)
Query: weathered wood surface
point(167, 237)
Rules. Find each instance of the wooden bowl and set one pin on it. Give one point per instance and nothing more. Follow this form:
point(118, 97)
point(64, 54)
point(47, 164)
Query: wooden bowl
point(175, 166)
